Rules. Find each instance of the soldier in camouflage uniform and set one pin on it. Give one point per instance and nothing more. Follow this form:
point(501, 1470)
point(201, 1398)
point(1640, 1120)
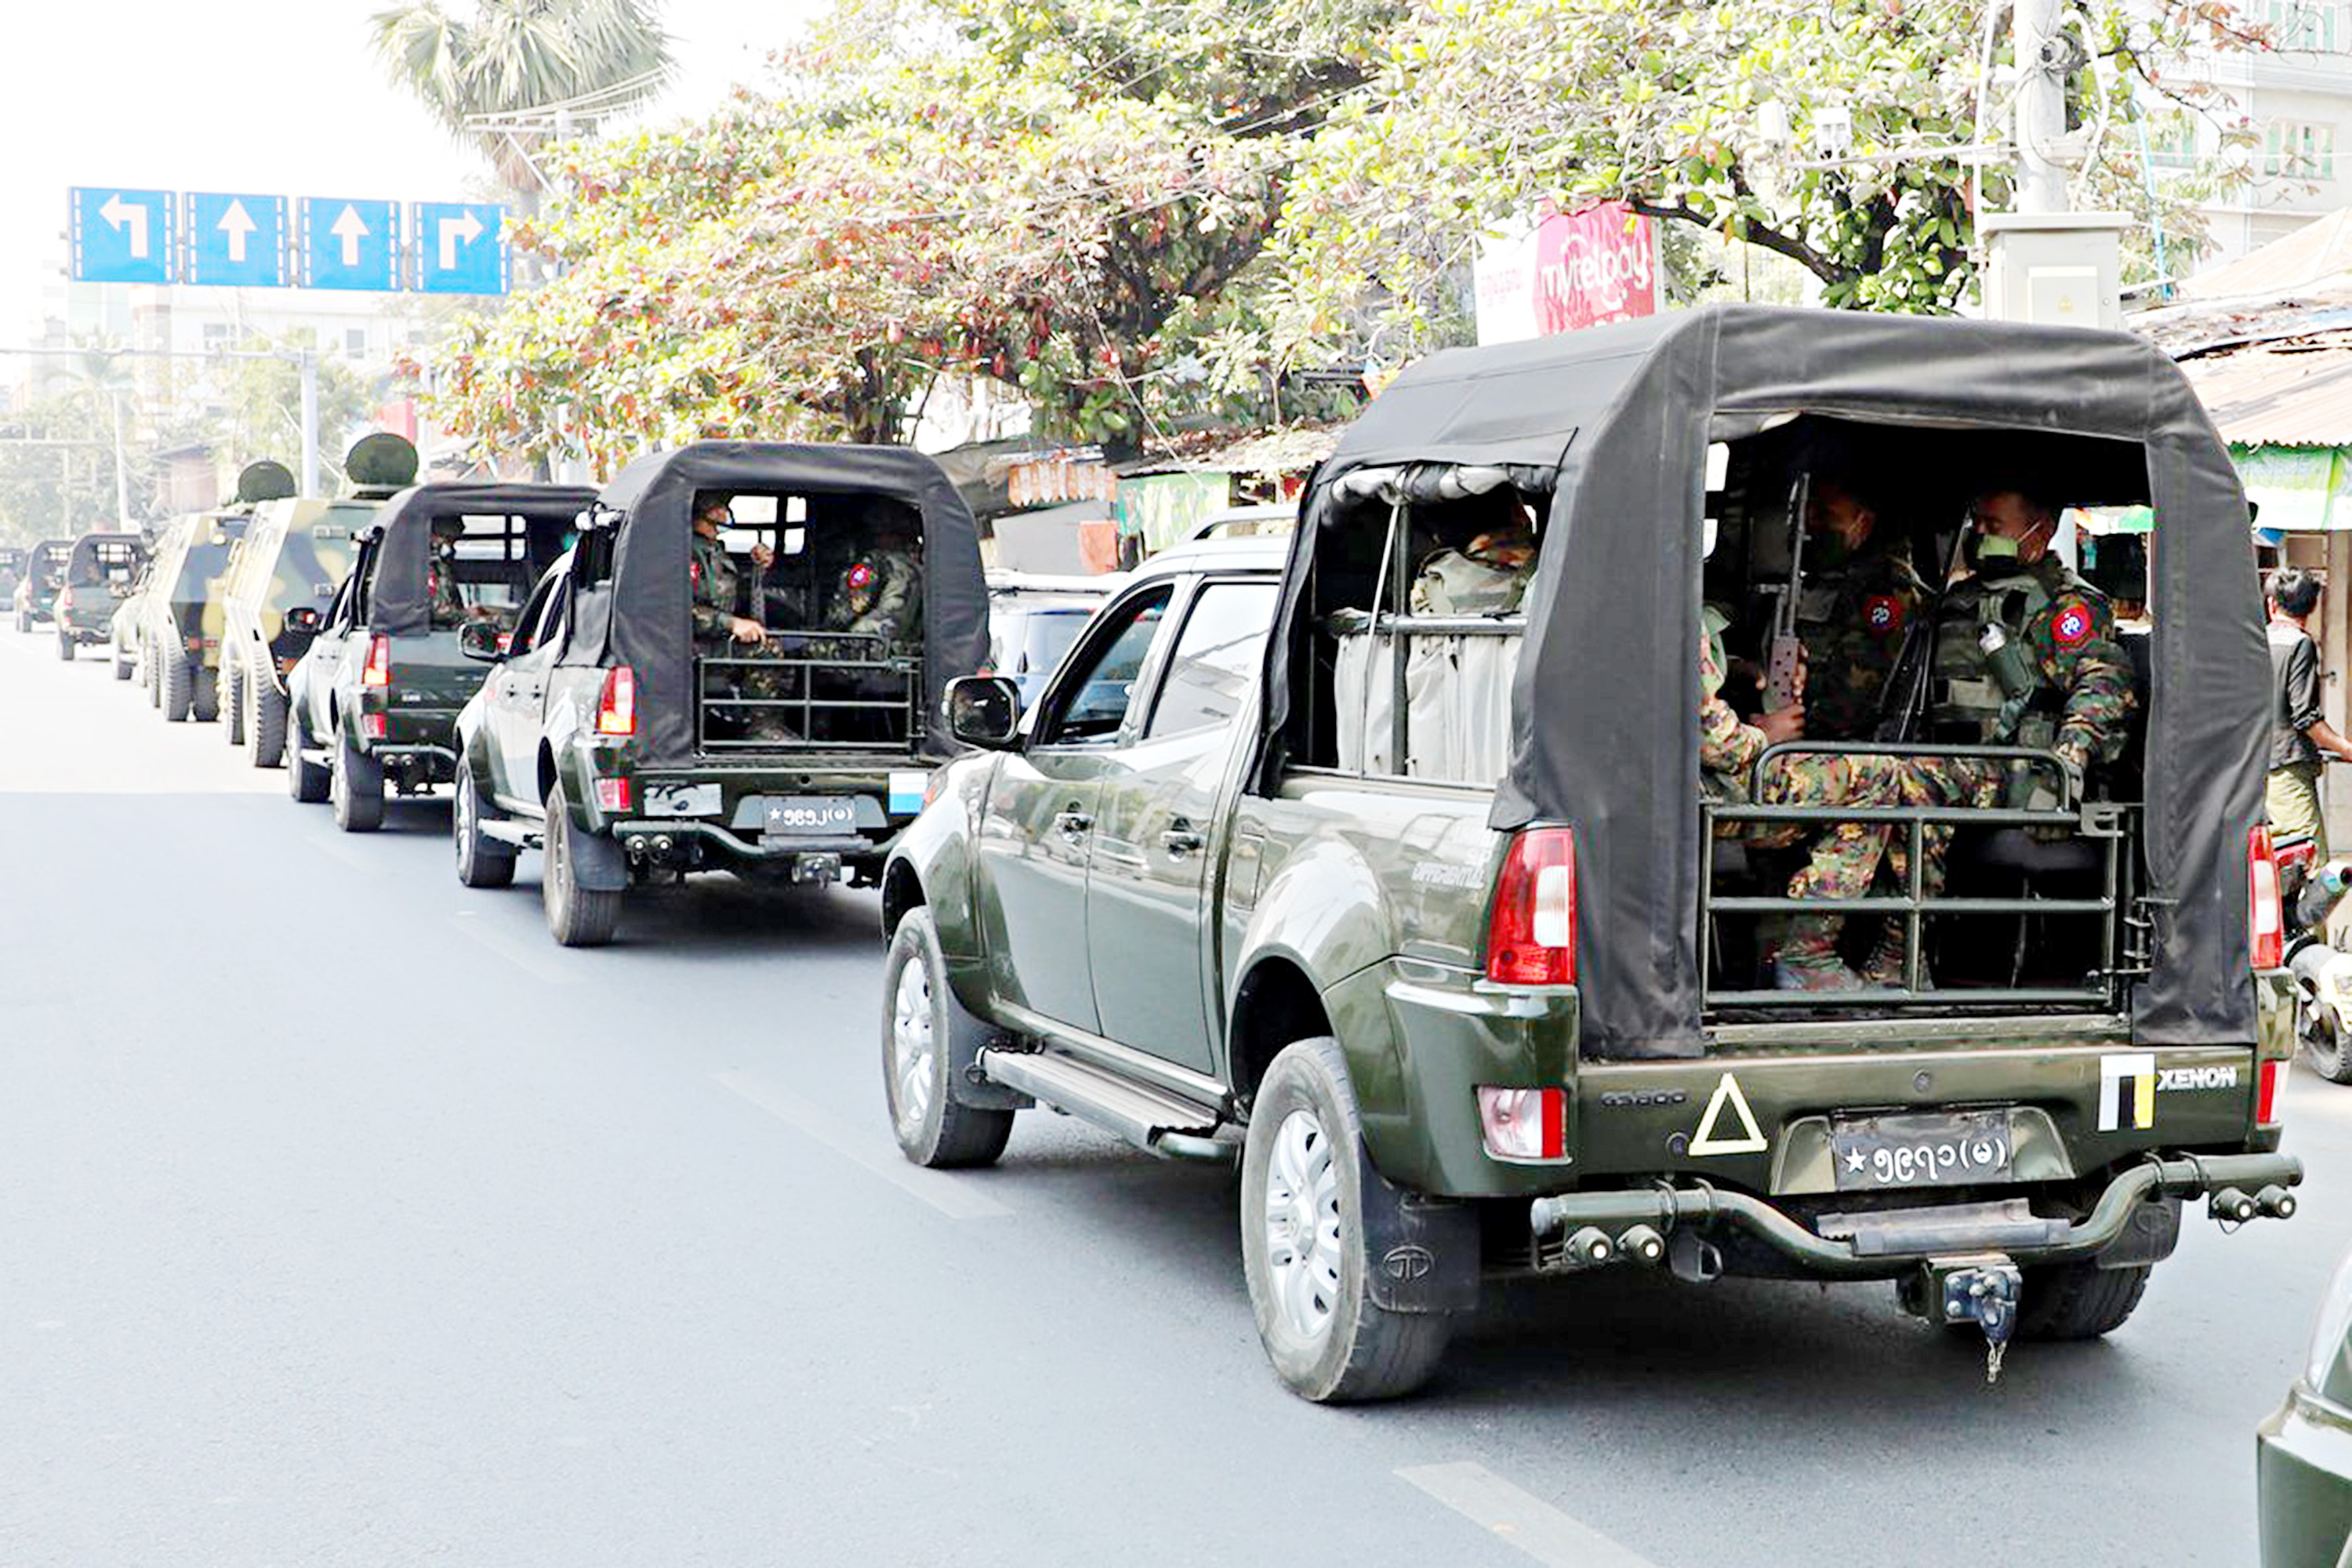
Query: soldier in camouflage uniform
point(1859, 595)
point(441, 574)
point(2025, 655)
point(1843, 860)
point(880, 593)
point(1487, 576)
point(713, 583)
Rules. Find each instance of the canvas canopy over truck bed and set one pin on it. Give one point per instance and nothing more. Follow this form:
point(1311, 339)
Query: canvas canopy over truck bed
point(1615, 424)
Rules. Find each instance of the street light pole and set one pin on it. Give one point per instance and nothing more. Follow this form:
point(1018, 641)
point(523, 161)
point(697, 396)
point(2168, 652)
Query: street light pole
point(2042, 58)
point(309, 363)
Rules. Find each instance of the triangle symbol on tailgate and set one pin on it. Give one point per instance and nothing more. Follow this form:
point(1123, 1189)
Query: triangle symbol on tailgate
point(1707, 1141)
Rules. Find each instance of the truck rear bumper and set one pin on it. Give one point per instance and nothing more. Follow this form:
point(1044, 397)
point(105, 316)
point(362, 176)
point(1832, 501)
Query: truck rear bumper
point(658, 838)
point(1879, 1251)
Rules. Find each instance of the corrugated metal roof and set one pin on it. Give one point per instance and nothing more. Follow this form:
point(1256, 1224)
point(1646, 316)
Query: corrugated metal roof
point(2297, 393)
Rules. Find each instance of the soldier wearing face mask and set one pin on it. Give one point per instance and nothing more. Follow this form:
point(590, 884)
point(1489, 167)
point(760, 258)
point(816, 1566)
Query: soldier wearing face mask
point(1860, 593)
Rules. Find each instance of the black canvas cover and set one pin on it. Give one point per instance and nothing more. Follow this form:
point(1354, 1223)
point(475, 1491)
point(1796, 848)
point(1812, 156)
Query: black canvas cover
point(399, 601)
point(638, 616)
point(1604, 704)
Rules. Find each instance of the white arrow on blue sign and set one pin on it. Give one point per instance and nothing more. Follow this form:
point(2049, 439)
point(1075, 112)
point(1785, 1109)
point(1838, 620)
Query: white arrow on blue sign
point(350, 244)
point(460, 247)
point(122, 237)
point(234, 239)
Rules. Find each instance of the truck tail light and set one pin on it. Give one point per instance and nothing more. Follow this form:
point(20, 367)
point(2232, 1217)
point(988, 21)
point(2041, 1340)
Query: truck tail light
point(1532, 936)
point(2270, 1077)
point(612, 795)
point(2267, 930)
point(377, 672)
point(1523, 1123)
point(616, 705)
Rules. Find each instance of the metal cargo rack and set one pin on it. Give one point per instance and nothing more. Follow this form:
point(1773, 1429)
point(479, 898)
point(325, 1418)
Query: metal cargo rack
point(829, 682)
point(2124, 930)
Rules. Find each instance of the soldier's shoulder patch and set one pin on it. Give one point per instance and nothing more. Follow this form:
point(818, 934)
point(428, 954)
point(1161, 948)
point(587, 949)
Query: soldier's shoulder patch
point(693, 571)
point(860, 574)
point(2073, 625)
point(1883, 613)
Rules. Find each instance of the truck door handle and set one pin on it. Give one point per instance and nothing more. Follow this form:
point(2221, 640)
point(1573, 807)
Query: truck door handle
point(1074, 822)
point(1180, 838)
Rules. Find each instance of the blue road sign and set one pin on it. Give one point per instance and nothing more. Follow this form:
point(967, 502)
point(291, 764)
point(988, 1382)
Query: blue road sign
point(350, 244)
point(122, 237)
point(234, 239)
point(461, 247)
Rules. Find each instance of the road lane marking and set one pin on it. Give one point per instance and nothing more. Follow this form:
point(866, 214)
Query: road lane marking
point(532, 957)
point(953, 1196)
point(1518, 1519)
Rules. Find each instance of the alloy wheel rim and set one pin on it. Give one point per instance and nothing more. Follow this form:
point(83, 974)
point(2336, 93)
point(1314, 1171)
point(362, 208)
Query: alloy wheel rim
point(912, 1047)
point(1301, 1220)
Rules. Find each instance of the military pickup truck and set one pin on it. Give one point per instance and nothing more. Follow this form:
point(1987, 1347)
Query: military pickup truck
point(671, 703)
point(378, 695)
point(99, 576)
point(37, 590)
point(1422, 914)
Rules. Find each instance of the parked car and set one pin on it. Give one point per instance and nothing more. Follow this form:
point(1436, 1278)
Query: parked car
point(1423, 917)
point(605, 734)
point(376, 699)
point(99, 576)
point(1033, 619)
point(45, 573)
point(2303, 1453)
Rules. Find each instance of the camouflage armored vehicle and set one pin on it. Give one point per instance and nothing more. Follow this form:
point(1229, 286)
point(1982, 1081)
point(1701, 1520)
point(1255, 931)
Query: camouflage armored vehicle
point(45, 573)
point(736, 669)
point(376, 700)
point(179, 629)
point(99, 576)
point(1427, 915)
point(280, 579)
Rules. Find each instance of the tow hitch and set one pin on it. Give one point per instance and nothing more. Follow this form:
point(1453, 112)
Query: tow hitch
point(1979, 1289)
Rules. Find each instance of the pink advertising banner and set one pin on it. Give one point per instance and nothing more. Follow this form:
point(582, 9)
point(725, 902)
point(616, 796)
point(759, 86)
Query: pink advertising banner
point(1572, 269)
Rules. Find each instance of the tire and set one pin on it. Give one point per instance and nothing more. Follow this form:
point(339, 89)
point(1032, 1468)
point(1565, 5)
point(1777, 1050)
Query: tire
point(306, 782)
point(178, 688)
point(482, 861)
point(1330, 1342)
point(264, 723)
point(232, 706)
point(921, 1019)
point(355, 787)
point(576, 916)
point(124, 669)
point(65, 644)
point(204, 705)
point(2078, 1301)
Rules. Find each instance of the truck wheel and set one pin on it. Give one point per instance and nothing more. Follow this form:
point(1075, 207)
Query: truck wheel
point(576, 916)
point(356, 788)
point(65, 644)
point(232, 706)
point(306, 781)
point(922, 1021)
point(2077, 1301)
point(124, 669)
point(203, 695)
point(264, 723)
point(1303, 1249)
point(482, 861)
point(179, 688)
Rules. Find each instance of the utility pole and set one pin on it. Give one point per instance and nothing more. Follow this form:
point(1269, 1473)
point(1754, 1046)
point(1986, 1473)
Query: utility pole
point(2043, 262)
point(308, 361)
point(2043, 57)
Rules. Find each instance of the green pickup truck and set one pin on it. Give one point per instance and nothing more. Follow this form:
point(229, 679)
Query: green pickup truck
point(376, 699)
point(790, 741)
point(35, 597)
point(99, 576)
point(1423, 916)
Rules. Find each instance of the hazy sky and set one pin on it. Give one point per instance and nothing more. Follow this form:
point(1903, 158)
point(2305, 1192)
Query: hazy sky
point(278, 97)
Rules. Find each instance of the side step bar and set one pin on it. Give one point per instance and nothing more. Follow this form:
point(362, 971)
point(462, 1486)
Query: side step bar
point(521, 835)
point(1151, 1119)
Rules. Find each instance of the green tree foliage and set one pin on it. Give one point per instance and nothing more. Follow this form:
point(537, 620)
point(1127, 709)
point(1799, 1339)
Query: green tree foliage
point(260, 412)
point(57, 469)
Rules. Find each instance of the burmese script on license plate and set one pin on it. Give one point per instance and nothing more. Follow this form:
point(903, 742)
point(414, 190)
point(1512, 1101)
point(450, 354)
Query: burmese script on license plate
point(811, 814)
point(1922, 1149)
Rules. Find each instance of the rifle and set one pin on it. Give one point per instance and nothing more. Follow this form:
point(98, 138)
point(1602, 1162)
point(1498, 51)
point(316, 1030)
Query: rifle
point(1785, 652)
point(1905, 701)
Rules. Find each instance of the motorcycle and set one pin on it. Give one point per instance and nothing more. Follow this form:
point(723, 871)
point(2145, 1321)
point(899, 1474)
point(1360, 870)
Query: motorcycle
point(2308, 892)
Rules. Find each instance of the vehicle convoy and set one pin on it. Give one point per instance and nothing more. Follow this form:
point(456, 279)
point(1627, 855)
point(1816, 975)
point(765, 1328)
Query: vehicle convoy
point(181, 612)
point(375, 700)
point(45, 573)
point(99, 576)
point(2303, 1452)
point(280, 578)
point(735, 669)
point(1419, 908)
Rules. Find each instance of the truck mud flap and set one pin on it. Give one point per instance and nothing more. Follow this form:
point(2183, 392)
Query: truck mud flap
point(598, 863)
point(1422, 1253)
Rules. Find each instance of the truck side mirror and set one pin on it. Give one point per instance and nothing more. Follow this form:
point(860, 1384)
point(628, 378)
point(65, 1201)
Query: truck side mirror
point(481, 640)
point(985, 711)
point(302, 618)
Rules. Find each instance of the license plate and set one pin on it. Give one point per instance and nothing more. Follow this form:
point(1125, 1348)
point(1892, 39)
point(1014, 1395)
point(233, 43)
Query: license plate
point(1922, 1149)
point(682, 800)
point(812, 813)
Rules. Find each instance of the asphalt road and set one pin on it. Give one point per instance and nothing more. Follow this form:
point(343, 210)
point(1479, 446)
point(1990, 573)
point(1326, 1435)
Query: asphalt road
point(344, 1219)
